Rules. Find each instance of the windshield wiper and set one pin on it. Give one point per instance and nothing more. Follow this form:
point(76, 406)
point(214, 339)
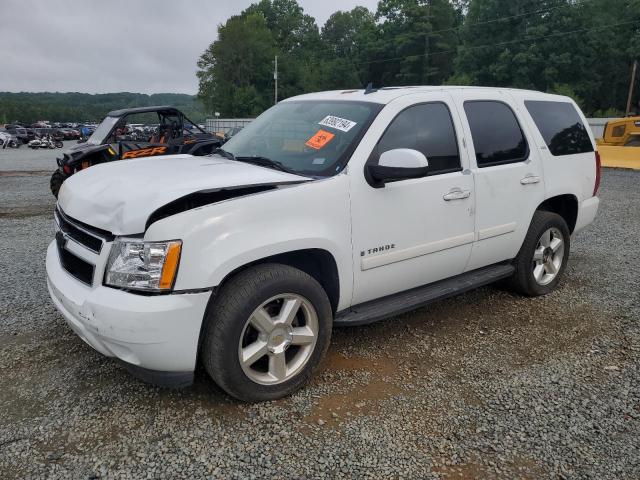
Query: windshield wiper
point(222, 152)
point(265, 162)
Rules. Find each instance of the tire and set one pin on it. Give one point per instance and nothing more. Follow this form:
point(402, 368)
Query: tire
point(59, 144)
point(534, 276)
point(57, 179)
point(230, 325)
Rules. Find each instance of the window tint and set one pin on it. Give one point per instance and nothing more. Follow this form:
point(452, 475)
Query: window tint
point(560, 126)
point(429, 129)
point(497, 136)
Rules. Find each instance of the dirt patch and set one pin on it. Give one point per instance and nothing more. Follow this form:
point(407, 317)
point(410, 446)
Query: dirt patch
point(360, 398)
point(24, 173)
point(466, 471)
point(27, 212)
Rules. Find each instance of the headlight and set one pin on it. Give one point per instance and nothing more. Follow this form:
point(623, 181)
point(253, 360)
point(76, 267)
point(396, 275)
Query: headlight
point(142, 265)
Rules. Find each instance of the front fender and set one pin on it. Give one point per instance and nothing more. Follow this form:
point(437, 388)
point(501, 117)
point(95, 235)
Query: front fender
point(220, 238)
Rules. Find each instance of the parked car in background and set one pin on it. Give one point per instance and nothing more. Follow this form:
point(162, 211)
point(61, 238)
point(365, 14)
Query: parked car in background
point(70, 133)
point(31, 133)
point(7, 140)
point(19, 132)
point(231, 132)
point(335, 208)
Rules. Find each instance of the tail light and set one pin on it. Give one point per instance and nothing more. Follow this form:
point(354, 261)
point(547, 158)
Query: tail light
point(596, 186)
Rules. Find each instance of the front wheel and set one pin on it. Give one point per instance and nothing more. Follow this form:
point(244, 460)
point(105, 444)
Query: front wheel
point(268, 330)
point(543, 256)
point(59, 144)
point(56, 182)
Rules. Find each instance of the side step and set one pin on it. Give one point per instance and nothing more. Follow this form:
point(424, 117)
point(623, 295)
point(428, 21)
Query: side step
point(398, 303)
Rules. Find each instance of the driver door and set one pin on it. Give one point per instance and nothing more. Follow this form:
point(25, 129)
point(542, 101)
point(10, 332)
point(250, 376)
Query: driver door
point(414, 232)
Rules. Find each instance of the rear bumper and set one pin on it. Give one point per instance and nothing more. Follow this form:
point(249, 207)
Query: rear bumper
point(155, 336)
point(587, 211)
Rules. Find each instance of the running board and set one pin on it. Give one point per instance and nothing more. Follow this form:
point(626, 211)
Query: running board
point(402, 302)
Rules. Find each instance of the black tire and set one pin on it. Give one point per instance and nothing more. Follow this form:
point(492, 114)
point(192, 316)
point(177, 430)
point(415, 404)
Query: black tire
point(59, 144)
point(225, 320)
point(523, 280)
point(56, 182)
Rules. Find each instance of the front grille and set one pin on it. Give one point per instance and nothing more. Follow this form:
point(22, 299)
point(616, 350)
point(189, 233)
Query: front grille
point(77, 267)
point(88, 237)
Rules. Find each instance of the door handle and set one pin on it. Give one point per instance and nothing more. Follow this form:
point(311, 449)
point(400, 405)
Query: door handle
point(456, 194)
point(530, 179)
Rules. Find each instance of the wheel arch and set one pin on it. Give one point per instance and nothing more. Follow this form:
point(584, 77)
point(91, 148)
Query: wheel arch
point(565, 205)
point(319, 263)
point(316, 262)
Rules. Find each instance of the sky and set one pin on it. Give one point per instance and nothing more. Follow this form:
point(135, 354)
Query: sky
point(100, 46)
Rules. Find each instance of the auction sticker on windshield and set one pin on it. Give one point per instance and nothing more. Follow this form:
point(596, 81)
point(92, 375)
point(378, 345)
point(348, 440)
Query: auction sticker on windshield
point(337, 123)
point(319, 139)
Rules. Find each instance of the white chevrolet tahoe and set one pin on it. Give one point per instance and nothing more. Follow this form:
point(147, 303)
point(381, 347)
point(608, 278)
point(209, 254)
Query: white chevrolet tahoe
point(334, 208)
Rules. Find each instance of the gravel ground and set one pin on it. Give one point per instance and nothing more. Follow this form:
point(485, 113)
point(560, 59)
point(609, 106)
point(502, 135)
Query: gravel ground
point(486, 385)
point(25, 159)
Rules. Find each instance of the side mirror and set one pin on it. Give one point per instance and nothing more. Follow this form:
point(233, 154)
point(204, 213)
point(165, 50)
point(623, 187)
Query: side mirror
point(398, 164)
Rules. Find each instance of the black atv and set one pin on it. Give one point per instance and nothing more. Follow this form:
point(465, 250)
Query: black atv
point(116, 139)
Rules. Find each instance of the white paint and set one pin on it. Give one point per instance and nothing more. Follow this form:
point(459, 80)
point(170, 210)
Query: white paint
point(417, 251)
point(432, 238)
point(497, 230)
point(120, 196)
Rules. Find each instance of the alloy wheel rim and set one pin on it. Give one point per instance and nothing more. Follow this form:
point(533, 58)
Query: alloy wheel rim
point(278, 339)
point(548, 256)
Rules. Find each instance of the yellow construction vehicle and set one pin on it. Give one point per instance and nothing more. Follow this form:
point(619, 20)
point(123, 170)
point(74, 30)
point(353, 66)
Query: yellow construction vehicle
point(624, 132)
point(617, 137)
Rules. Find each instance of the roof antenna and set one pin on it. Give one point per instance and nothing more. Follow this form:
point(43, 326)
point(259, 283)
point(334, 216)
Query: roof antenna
point(370, 89)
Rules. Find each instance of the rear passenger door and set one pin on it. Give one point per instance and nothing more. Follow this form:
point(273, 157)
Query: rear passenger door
point(507, 172)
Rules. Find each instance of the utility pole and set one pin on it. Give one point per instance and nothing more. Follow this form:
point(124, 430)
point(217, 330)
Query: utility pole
point(631, 85)
point(275, 77)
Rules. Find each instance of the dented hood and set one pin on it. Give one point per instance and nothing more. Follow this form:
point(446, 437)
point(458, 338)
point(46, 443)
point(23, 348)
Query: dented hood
point(120, 196)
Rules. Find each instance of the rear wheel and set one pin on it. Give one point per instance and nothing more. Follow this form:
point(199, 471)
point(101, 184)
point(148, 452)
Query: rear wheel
point(543, 255)
point(266, 333)
point(56, 182)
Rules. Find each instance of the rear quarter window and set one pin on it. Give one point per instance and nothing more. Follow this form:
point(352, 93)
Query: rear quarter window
point(560, 126)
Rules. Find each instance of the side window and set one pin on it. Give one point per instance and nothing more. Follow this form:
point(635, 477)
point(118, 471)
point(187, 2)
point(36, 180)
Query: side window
point(427, 128)
point(497, 136)
point(560, 126)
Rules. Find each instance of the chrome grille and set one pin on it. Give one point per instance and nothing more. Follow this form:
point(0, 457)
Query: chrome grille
point(90, 238)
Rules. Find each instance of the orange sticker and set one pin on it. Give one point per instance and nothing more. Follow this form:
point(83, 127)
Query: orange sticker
point(319, 139)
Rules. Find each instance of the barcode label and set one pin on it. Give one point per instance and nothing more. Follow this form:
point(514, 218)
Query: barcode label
point(337, 123)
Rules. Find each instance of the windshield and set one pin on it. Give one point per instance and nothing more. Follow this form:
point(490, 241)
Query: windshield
point(313, 138)
point(100, 135)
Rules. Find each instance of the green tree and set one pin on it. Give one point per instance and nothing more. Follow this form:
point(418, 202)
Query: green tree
point(544, 45)
point(84, 107)
point(347, 38)
point(235, 71)
point(297, 44)
point(416, 41)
